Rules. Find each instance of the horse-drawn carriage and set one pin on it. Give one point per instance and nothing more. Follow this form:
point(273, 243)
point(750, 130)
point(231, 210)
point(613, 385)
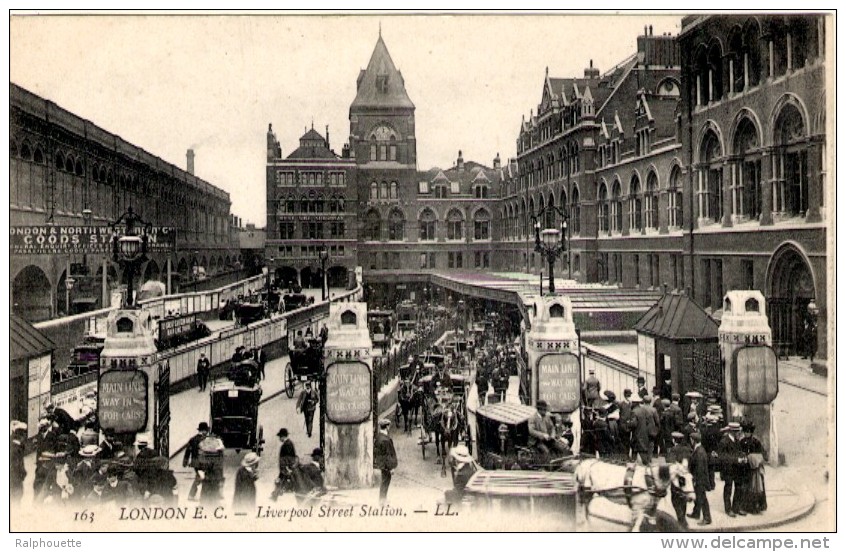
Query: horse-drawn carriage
point(296, 299)
point(234, 408)
point(306, 364)
point(502, 440)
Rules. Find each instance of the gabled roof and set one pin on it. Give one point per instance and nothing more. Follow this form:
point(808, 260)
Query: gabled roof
point(311, 135)
point(25, 341)
point(369, 94)
point(677, 317)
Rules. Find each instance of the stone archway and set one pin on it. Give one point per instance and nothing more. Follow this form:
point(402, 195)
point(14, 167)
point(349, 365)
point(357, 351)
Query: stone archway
point(31, 295)
point(286, 276)
point(311, 277)
point(790, 288)
point(337, 277)
point(152, 272)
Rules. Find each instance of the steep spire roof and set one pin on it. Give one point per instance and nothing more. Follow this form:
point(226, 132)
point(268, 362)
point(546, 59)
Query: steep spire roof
point(381, 84)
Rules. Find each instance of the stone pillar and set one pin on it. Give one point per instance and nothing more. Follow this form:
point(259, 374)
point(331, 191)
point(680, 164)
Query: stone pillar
point(554, 358)
point(813, 178)
point(744, 323)
point(767, 187)
point(348, 392)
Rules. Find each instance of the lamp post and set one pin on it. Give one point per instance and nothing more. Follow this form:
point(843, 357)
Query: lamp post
point(130, 249)
point(268, 268)
point(552, 242)
point(324, 257)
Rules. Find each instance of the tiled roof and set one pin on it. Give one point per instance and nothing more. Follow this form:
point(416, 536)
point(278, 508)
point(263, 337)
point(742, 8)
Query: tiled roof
point(311, 135)
point(312, 152)
point(25, 341)
point(677, 317)
point(381, 66)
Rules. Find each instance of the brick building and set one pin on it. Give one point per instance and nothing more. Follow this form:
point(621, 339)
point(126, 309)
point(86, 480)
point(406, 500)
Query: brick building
point(311, 205)
point(67, 171)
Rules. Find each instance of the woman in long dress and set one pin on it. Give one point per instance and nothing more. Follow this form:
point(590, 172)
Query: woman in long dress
point(756, 455)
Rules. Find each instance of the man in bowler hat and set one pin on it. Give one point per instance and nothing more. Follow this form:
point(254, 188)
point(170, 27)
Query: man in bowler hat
point(192, 457)
point(384, 457)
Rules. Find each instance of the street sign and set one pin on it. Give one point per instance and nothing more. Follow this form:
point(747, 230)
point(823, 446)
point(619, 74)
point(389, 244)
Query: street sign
point(58, 239)
point(122, 401)
point(348, 392)
point(559, 381)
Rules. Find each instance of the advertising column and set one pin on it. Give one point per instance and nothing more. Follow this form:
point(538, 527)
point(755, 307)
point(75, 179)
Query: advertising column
point(128, 373)
point(750, 366)
point(554, 361)
point(348, 398)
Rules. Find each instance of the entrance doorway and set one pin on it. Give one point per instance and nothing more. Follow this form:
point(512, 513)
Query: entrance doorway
point(791, 290)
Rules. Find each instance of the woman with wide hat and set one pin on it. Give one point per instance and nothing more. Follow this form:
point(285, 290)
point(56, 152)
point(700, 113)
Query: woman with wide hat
point(245, 483)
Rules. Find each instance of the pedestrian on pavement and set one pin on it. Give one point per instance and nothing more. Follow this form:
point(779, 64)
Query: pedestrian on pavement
point(756, 455)
point(17, 451)
point(732, 463)
point(192, 457)
point(261, 360)
point(680, 453)
point(481, 386)
point(313, 471)
point(307, 404)
point(643, 425)
point(245, 483)
point(384, 457)
point(203, 371)
point(288, 461)
point(626, 423)
point(641, 387)
point(591, 387)
point(655, 427)
point(701, 480)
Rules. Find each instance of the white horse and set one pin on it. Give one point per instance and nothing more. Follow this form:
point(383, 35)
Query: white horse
point(639, 487)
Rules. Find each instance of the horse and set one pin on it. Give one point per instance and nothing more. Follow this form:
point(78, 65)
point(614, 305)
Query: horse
point(639, 487)
point(448, 430)
point(405, 403)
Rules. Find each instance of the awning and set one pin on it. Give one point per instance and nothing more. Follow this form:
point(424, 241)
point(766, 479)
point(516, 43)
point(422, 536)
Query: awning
point(25, 341)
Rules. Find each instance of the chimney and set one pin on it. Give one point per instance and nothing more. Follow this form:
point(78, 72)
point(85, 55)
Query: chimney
point(591, 72)
point(345, 153)
point(460, 162)
point(497, 163)
point(327, 138)
point(190, 156)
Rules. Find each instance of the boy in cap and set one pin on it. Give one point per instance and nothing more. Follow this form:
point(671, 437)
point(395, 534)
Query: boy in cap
point(732, 463)
point(384, 457)
point(701, 480)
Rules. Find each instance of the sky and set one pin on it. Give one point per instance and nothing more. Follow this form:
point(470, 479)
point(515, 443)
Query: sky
point(167, 83)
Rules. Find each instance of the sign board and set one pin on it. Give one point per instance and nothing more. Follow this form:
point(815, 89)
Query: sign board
point(559, 381)
point(755, 372)
point(62, 239)
point(72, 399)
point(172, 327)
point(348, 392)
point(122, 401)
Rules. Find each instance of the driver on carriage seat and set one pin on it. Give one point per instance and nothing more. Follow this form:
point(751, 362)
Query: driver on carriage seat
point(542, 434)
point(299, 342)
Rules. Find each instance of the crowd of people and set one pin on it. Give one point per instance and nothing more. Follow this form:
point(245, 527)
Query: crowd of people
point(77, 464)
point(640, 427)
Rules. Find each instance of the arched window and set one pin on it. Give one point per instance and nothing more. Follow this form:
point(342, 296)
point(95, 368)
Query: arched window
point(603, 209)
point(333, 204)
point(455, 223)
point(394, 191)
point(616, 208)
point(383, 190)
point(26, 151)
point(650, 200)
point(291, 204)
point(69, 164)
point(427, 225)
point(319, 204)
point(373, 226)
point(575, 213)
point(747, 196)
point(791, 193)
point(340, 204)
point(79, 169)
point(710, 191)
point(736, 60)
point(396, 226)
point(635, 205)
point(752, 52)
point(715, 67)
point(374, 190)
point(60, 161)
point(304, 205)
point(373, 152)
point(482, 225)
point(674, 199)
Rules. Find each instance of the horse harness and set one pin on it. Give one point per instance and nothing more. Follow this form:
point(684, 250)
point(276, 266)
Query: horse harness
point(651, 487)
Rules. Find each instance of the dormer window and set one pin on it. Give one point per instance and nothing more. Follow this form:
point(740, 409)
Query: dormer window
point(382, 83)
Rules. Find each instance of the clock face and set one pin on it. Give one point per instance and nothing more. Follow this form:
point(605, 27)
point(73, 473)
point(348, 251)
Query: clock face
point(383, 133)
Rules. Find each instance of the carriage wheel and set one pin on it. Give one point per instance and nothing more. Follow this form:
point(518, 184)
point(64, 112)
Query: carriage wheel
point(290, 382)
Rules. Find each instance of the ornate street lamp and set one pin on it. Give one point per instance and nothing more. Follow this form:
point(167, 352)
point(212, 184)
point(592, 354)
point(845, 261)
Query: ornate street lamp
point(129, 250)
point(552, 242)
point(324, 258)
